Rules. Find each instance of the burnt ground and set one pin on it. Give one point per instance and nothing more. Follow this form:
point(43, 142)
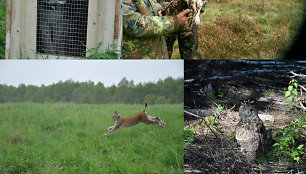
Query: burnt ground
point(209, 84)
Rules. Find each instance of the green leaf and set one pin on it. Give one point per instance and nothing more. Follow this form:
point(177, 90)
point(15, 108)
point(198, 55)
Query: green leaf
point(277, 144)
point(297, 159)
point(300, 146)
point(287, 93)
point(290, 98)
point(190, 139)
point(295, 85)
point(294, 92)
point(290, 87)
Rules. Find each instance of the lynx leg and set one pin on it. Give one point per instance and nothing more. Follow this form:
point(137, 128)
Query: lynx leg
point(112, 129)
point(159, 121)
point(155, 120)
point(147, 120)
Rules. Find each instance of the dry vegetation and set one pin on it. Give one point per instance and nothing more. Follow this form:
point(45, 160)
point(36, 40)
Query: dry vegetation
point(214, 90)
point(245, 29)
point(16, 138)
point(216, 151)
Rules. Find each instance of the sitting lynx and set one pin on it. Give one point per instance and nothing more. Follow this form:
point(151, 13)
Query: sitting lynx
point(143, 117)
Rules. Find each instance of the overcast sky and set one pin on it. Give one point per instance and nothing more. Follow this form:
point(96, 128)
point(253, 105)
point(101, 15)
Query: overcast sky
point(109, 72)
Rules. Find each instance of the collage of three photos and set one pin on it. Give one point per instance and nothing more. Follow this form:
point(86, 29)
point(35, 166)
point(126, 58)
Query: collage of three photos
point(152, 86)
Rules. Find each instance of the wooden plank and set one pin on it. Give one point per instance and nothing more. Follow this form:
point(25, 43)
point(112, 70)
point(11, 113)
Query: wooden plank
point(8, 14)
point(118, 30)
point(8, 28)
point(117, 18)
point(22, 39)
point(28, 41)
point(101, 17)
point(15, 30)
point(110, 23)
point(96, 21)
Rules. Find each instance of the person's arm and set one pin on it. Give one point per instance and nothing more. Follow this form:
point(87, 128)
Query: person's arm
point(137, 25)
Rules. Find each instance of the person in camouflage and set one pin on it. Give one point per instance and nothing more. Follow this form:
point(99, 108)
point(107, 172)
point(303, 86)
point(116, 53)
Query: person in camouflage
point(187, 36)
point(144, 29)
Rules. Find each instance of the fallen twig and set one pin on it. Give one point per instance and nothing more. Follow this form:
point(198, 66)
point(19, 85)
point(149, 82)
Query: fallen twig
point(297, 75)
point(203, 120)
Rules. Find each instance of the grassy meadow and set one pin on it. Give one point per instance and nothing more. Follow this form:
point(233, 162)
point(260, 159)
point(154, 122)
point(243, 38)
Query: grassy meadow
point(68, 138)
point(247, 29)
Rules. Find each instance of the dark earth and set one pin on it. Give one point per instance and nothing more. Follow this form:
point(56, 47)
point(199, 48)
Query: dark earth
point(209, 84)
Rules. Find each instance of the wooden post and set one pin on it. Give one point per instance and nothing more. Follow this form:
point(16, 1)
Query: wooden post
point(8, 27)
point(117, 18)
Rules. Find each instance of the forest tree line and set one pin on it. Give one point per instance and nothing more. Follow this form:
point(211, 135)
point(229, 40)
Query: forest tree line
point(165, 91)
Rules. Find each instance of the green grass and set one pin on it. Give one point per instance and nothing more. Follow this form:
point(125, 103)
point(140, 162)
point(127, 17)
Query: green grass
point(246, 29)
point(2, 28)
point(68, 138)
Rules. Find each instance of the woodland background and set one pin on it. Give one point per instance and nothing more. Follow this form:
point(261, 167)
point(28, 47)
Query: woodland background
point(164, 91)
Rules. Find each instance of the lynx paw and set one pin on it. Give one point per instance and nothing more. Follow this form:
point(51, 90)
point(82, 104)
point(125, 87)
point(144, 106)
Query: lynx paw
point(160, 122)
point(110, 128)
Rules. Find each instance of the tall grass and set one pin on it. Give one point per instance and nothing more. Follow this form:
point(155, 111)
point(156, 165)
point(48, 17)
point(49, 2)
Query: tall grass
point(2, 28)
point(68, 138)
point(245, 29)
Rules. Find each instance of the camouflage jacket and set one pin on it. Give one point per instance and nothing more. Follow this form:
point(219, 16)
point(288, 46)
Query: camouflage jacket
point(144, 30)
point(173, 7)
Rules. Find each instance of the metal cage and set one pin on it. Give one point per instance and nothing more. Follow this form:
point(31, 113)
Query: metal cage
point(61, 28)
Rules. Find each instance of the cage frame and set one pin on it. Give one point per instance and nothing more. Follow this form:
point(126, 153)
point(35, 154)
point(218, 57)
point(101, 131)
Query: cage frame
point(104, 24)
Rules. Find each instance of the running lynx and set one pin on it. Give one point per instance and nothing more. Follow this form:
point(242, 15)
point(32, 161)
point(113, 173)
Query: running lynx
point(143, 117)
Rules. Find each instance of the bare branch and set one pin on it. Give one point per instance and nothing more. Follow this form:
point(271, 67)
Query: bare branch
point(301, 106)
point(203, 121)
point(189, 113)
point(297, 75)
point(303, 87)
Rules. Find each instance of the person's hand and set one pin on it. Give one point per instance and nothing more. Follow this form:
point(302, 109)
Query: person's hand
point(182, 17)
point(160, 13)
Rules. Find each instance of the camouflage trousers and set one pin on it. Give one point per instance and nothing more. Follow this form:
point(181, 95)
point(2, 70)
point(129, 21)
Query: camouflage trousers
point(187, 40)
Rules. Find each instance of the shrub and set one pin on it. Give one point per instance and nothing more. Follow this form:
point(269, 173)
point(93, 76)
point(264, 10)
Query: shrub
point(111, 52)
point(288, 145)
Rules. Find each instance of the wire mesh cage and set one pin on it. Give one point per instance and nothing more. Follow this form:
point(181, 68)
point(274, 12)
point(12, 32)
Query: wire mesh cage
point(62, 27)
